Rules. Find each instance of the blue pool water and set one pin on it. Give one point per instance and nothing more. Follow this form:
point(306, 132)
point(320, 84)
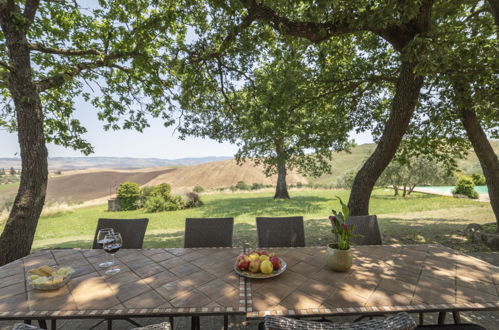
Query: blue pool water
point(448, 189)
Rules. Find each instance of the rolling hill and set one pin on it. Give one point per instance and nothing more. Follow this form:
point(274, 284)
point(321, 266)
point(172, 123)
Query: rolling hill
point(74, 163)
point(344, 162)
point(84, 185)
point(89, 184)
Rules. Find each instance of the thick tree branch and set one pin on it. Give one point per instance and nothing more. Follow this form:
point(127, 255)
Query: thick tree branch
point(60, 78)
point(315, 32)
point(397, 34)
point(30, 9)
point(65, 52)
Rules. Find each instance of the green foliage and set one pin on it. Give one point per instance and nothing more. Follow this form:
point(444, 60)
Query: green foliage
point(198, 189)
point(341, 229)
point(407, 173)
point(129, 195)
point(158, 203)
point(478, 179)
point(163, 190)
point(256, 186)
point(283, 109)
point(466, 187)
point(112, 53)
point(347, 180)
point(241, 185)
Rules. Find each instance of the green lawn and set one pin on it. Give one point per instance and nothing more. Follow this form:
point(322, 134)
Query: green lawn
point(418, 219)
point(8, 185)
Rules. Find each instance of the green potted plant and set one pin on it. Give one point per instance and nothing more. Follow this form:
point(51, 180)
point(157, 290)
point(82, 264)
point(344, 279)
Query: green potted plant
point(339, 255)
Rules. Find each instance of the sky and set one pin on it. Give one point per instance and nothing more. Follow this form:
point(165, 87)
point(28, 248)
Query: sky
point(156, 141)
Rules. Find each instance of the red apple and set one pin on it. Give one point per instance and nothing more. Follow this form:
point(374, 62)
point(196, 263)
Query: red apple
point(263, 252)
point(276, 262)
point(243, 265)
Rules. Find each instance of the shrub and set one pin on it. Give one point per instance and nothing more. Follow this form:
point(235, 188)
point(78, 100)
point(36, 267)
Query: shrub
point(241, 185)
point(198, 189)
point(145, 193)
point(256, 186)
point(466, 187)
point(155, 204)
point(299, 185)
point(162, 189)
point(129, 196)
point(193, 200)
point(174, 203)
point(478, 179)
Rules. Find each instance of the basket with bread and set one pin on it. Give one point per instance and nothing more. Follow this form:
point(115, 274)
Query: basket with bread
point(49, 278)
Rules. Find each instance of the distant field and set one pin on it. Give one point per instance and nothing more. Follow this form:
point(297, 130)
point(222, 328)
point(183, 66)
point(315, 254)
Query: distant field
point(420, 218)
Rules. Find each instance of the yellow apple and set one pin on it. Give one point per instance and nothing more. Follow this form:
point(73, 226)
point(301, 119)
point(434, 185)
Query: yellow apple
point(254, 256)
point(254, 266)
point(264, 257)
point(266, 267)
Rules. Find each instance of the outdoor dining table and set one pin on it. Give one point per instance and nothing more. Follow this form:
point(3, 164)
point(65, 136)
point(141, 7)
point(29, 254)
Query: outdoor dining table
point(383, 279)
point(196, 282)
point(152, 282)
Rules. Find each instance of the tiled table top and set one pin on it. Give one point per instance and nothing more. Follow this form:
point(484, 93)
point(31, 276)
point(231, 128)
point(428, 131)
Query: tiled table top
point(382, 279)
point(151, 282)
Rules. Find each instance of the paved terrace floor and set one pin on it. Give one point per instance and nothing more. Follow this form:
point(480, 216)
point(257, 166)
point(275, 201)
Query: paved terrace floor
point(489, 320)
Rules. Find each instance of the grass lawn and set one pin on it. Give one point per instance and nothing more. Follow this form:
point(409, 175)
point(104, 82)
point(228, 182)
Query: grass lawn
point(420, 218)
point(8, 185)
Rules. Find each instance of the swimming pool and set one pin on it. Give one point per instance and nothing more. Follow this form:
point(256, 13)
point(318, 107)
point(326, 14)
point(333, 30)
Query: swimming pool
point(448, 189)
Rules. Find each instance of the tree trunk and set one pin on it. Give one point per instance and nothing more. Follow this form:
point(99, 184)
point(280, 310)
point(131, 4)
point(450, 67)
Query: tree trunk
point(406, 97)
point(411, 189)
point(494, 8)
point(486, 155)
point(281, 190)
point(396, 189)
point(405, 191)
point(19, 231)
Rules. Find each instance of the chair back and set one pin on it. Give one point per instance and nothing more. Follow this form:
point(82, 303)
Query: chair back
point(208, 232)
point(367, 226)
point(280, 232)
point(400, 321)
point(132, 231)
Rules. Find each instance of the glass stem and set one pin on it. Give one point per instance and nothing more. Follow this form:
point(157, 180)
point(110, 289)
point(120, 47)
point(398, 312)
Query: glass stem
point(113, 266)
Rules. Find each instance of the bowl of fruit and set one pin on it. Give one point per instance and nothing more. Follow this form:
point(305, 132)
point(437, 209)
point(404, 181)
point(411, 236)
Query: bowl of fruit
point(259, 264)
point(48, 278)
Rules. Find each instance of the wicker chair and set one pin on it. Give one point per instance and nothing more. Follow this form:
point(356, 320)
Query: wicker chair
point(280, 232)
point(132, 231)
point(367, 226)
point(208, 232)
point(460, 326)
point(159, 326)
point(400, 321)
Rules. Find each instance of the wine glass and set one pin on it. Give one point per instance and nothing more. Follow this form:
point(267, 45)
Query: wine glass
point(101, 239)
point(113, 242)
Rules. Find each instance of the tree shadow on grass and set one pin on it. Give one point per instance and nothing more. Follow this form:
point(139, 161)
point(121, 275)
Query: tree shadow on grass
point(263, 206)
point(448, 232)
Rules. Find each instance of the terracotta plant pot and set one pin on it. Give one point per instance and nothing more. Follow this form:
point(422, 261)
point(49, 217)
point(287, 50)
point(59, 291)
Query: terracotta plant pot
point(338, 260)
